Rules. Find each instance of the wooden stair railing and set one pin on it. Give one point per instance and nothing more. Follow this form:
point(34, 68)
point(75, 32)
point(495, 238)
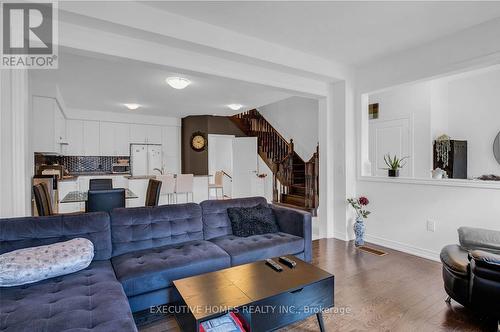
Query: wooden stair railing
point(295, 182)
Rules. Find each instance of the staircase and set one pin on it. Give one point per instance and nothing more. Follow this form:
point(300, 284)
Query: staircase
point(295, 181)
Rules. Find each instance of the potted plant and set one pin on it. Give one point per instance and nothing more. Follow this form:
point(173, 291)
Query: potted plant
point(394, 164)
point(358, 205)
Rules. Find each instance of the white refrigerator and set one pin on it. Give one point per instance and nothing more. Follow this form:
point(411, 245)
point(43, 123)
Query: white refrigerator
point(144, 158)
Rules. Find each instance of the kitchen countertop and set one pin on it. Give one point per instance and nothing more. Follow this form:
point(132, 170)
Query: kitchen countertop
point(74, 176)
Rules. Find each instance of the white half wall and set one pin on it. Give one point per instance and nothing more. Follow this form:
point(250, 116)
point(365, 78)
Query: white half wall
point(400, 210)
point(400, 213)
point(295, 118)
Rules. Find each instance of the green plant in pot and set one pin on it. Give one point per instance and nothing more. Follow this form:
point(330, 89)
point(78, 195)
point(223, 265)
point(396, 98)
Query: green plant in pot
point(394, 164)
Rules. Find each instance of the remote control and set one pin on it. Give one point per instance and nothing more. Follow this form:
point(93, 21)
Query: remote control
point(288, 262)
point(275, 266)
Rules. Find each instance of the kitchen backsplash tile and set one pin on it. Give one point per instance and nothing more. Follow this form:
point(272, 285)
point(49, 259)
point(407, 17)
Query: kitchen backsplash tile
point(84, 164)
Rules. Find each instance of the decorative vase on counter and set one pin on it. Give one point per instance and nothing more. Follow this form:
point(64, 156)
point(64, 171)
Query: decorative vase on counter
point(359, 231)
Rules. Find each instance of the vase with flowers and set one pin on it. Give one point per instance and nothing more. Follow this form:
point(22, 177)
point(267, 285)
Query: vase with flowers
point(359, 205)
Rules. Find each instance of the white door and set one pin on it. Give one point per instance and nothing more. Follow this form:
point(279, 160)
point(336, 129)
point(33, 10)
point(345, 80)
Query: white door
point(107, 139)
point(244, 166)
point(392, 137)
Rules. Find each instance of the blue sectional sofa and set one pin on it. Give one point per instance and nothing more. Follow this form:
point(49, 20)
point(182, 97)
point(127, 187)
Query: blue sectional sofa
point(139, 252)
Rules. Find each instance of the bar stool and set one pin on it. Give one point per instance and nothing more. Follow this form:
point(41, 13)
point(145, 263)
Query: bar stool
point(184, 185)
point(167, 187)
point(219, 184)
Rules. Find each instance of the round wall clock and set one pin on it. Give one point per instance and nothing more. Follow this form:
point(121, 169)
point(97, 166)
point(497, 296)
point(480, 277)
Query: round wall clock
point(198, 141)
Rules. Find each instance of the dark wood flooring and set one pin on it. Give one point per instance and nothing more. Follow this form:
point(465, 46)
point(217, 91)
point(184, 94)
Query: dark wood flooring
point(395, 292)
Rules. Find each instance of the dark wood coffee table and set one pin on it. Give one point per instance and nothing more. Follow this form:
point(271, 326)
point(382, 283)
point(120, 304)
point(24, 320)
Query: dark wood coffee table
point(264, 298)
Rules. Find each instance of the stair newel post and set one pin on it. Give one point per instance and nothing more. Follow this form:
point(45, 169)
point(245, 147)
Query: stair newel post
point(275, 183)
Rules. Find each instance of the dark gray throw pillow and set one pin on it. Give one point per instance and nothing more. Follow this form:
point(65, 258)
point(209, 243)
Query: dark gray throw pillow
point(254, 220)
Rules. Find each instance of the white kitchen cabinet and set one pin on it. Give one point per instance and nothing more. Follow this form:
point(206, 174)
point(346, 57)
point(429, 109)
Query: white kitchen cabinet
point(145, 134)
point(138, 134)
point(114, 139)
point(49, 129)
point(107, 139)
point(91, 141)
point(75, 138)
point(154, 135)
point(122, 139)
point(63, 188)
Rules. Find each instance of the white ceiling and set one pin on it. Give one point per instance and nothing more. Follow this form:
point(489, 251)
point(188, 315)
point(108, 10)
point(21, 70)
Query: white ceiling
point(350, 32)
point(105, 84)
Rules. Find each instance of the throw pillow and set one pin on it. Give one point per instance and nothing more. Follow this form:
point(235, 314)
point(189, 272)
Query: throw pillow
point(28, 265)
point(255, 220)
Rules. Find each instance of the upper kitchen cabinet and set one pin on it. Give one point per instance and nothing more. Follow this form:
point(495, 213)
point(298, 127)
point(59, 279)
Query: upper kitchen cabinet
point(49, 130)
point(75, 138)
point(83, 138)
point(91, 138)
point(114, 139)
point(145, 134)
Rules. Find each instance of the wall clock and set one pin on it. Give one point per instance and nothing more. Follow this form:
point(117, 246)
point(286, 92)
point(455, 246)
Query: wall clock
point(198, 141)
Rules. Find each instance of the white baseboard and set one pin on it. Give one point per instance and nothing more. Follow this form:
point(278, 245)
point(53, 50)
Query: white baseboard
point(340, 235)
point(409, 249)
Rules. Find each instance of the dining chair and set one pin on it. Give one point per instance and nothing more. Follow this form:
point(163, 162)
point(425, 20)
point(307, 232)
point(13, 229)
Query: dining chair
point(218, 184)
point(42, 199)
point(167, 186)
point(184, 185)
point(153, 192)
point(105, 200)
point(100, 184)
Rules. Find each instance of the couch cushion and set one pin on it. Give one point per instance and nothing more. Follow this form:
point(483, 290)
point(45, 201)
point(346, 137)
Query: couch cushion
point(258, 247)
point(29, 265)
point(472, 238)
point(135, 229)
point(18, 233)
point(216, 222)
point(254, 220)
point(88, 300)
point(151, 269)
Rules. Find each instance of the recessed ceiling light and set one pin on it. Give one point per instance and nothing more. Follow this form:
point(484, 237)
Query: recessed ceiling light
point(235, 107)
point(177, 82)
point(132, 106)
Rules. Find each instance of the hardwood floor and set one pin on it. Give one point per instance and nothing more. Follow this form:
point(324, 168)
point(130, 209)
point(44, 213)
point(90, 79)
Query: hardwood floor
point(395, 292)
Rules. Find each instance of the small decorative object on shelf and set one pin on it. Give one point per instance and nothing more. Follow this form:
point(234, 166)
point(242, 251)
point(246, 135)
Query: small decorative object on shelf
point(443, 148)
point(394, 164)
point(358, 205)
point(438, 173)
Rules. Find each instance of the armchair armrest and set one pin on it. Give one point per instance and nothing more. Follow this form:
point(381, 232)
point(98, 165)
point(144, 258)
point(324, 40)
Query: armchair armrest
point(297, 223)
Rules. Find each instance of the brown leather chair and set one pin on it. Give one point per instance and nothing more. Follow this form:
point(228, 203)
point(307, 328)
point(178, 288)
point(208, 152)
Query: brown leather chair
point(153, 193)
point(42, 199)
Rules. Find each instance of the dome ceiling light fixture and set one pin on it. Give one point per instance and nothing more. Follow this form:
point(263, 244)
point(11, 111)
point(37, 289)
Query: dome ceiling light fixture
point(178, 83)
point(235, 107)
point(132, 107)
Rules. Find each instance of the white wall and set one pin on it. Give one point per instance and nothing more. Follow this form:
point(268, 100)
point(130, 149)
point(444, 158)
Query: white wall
point(474, 116)
point(296, 118)
point(414, 103)
point(400, 210)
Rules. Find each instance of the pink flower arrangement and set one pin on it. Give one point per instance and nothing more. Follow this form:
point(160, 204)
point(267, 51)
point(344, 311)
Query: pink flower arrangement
point(358, 205)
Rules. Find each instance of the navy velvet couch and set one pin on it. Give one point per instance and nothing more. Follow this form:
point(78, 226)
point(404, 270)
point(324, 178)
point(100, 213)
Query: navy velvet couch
point(139, 252)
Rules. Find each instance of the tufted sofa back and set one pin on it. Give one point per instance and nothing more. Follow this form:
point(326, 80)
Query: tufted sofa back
point(150, 227)
point(215, 219)
point(18, 233)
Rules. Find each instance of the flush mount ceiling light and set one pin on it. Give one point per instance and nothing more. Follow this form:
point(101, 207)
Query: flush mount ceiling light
point(178, 83)
point(132, 106)
point(235, 107)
